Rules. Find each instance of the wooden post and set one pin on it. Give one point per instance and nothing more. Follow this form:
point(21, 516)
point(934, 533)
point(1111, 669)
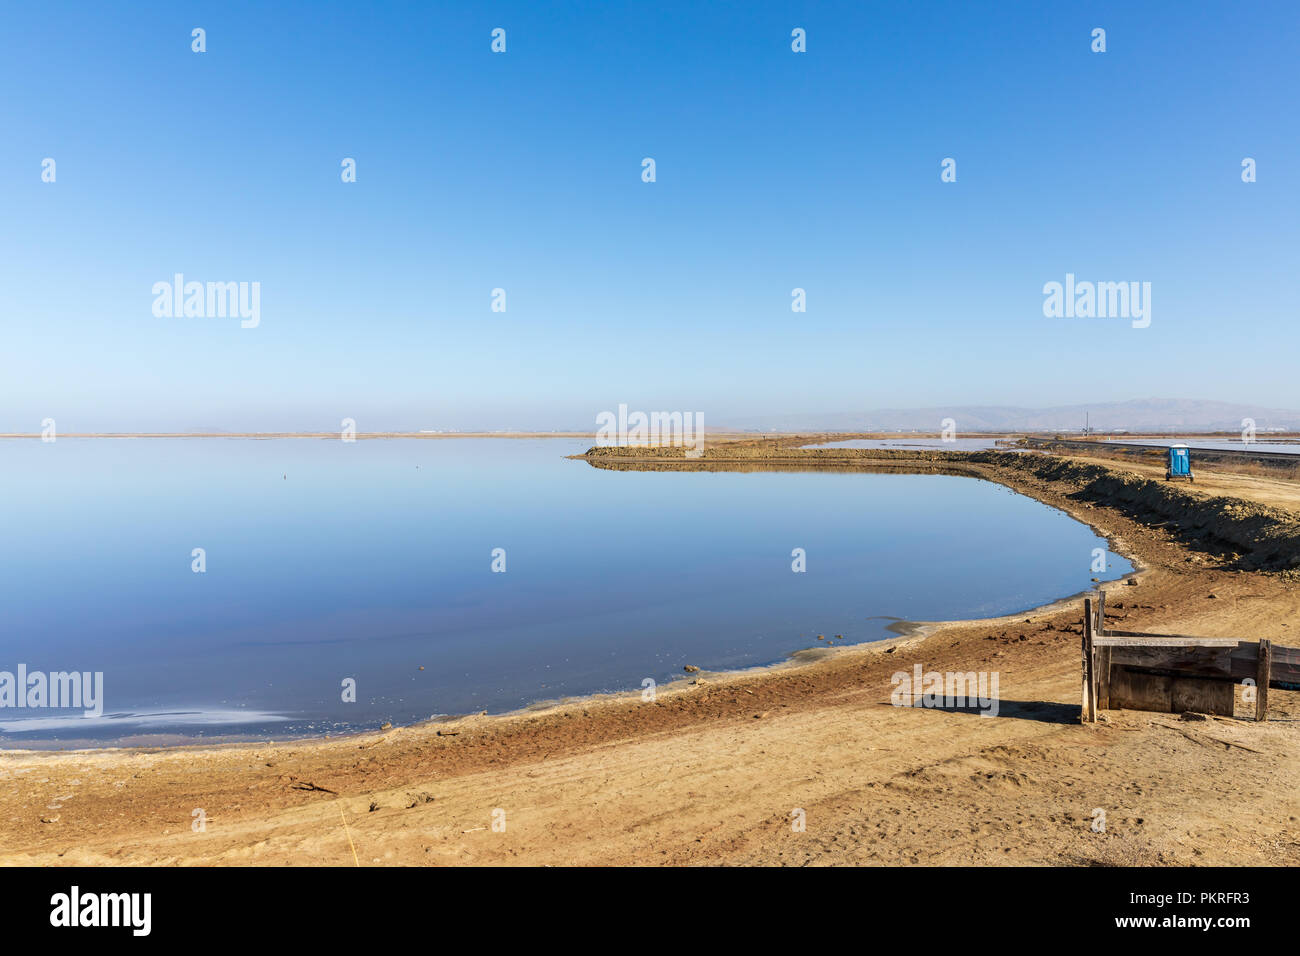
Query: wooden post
point(1087, 712)
point(1092, 677)
point(1100, 661)
point(1103, 678)
point(1261, 679)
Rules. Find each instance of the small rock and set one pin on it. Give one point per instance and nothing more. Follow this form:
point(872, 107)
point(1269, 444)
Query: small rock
point(386, 726)
point(1131, 582)
point(53, 819)
point(1214, 597)
point(691, 669)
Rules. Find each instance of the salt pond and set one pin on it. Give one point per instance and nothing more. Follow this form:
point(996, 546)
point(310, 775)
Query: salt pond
point(325, 561)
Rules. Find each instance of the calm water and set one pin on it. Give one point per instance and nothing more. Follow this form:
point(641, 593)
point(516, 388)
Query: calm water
point(931, 443)
point(368, 560)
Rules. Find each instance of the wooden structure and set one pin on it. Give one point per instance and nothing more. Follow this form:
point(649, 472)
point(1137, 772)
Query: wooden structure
point(1173, 673)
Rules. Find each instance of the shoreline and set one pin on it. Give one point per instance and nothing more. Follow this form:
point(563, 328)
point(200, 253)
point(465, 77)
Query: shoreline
point(799, 657)
point(914, 632)
point(909, 632)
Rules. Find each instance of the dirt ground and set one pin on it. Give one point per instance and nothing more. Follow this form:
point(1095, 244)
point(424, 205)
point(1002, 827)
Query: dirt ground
point(720, 771)
point(1275, 492)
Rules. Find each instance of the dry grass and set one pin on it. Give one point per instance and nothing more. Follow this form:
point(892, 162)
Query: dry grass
point(1126, 850)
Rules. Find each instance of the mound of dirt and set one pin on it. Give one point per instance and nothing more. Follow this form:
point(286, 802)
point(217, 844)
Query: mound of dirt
point(1263, 538)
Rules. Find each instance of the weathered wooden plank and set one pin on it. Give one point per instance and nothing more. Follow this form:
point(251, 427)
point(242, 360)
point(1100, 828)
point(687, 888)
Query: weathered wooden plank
point(1202, 696)
point(1245, 663)
point(1134, 690)
point(1283, 674)
point(1103, 678)
point(1147, 640)
point(1097, 631)
point(1286, 655)
point(1181, 660)
point(1261, 682)
point(1092, 676)
point(1086, 711)
point(1170, 637)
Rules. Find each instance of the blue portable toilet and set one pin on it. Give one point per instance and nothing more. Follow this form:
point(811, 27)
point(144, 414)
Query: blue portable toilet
point(1180, 463)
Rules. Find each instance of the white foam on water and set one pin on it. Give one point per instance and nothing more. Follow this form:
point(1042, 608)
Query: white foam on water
point(173, 718)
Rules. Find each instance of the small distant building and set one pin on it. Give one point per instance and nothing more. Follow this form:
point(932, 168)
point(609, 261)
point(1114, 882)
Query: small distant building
point(1180, 463)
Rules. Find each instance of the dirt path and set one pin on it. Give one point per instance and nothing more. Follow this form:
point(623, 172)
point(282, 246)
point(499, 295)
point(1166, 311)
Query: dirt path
point(711, 772)
point(1275, 492)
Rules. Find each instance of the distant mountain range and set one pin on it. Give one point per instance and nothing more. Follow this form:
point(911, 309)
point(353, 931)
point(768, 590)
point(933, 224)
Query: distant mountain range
point(1158, 415)
point(1139, 415)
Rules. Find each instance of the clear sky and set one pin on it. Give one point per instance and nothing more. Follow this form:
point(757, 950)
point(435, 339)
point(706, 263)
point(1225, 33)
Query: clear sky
point(522, 171)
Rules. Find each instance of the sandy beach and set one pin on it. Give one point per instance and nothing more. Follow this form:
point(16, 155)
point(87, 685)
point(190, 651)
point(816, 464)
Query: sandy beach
point(715, 768)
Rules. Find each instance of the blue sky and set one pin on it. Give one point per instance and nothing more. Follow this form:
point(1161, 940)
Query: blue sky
point(522, 171)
